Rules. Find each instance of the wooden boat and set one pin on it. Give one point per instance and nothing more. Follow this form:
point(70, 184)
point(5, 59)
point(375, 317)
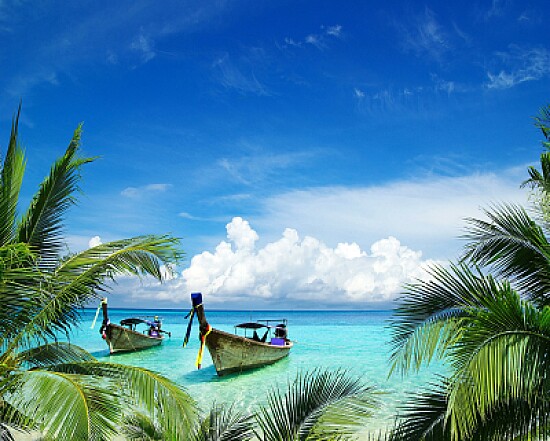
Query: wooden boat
point(125, 337)
point(235, 353)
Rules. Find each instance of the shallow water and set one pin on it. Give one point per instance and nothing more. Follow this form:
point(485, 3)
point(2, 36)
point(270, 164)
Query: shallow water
point(356, 341)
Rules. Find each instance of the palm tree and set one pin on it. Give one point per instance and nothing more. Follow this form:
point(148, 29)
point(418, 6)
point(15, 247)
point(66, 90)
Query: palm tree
point(58, 387)
point(493, 334)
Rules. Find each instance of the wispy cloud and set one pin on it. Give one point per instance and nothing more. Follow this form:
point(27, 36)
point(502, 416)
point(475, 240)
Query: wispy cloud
point(424, 35)
point(137, 192)
point(497, 9)
point(144, 46)
point(521, 65)
point(114, 34)
point(232, 77)
point(405, 100)
point(257, 167)
point(320, 40)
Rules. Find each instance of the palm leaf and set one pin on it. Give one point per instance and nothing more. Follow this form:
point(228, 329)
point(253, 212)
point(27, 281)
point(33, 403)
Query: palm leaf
point(317, 405)
point(54, 353)
point(66, 406)
point(224, 424)
point(502, 358)
point(428, 318)
point(148, 390)
point(11, 178)
point(139, 426)
point(424, 416)
point(514, 247)
point(42, 225)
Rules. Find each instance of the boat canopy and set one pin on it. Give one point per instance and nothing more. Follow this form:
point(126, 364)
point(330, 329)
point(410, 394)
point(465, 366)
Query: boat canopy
point(251, 325)
point(133, 321)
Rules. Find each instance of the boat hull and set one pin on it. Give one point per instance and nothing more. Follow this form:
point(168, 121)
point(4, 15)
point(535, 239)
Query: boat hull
point(233, 353)
point(121, 339)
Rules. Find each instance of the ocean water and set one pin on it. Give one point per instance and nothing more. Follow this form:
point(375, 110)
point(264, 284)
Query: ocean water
point(356, 341)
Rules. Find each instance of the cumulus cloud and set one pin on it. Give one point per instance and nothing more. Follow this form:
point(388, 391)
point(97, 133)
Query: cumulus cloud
point(94, 242)
point(296, 269)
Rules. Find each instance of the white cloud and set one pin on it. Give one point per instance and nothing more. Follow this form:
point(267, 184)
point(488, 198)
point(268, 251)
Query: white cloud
point(94, 242)
point(232, 76)
point(424, 35)
point(136, 192)
point(425, 214)
point(522, 65)
point(295, 269)
point(335, 31)
point(143, 45)
point(319, 40)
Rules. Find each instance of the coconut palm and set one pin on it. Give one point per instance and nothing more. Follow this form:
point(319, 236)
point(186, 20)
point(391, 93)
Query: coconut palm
point(493, 334)
point(47, 384)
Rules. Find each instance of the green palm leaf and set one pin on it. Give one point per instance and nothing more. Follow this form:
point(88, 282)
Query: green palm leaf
point(320, 405)
point(428, 318)
point(148, 390)
point(514, 247)
point(424, 417)
point(41, 226)
point(502, 358)
point(11, 178)
point(224, 424)
point(54, 353)
point(66, 406)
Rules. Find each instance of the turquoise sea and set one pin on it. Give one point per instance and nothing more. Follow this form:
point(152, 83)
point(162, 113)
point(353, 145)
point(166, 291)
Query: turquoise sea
point(357, 341)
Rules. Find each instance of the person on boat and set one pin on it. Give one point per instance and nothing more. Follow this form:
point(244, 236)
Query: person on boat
point(155, 328)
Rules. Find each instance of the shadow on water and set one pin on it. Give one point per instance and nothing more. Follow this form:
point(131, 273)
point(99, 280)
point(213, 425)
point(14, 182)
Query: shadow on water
point(208, 373)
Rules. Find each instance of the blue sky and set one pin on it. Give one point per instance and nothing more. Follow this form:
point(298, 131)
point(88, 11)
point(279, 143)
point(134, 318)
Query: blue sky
point(309, 154)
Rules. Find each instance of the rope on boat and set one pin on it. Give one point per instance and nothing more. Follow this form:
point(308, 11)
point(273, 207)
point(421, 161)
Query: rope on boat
point(201, 348)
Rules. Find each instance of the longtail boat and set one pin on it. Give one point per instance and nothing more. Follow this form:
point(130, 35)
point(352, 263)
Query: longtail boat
point(235, 353)
point(126, 337)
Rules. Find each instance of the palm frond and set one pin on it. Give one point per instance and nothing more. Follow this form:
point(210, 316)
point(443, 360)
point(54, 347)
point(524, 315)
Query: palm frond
point(66, 406)
point(320, 404)
point(148, 390)
point(42, 224)
point(224, 424)
point(54, 353)
point(424, 416)
point(428, 318)
point(140, 427)
point(514, 247)
point(11, 178)
point(542, 121)
point(502, 358)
